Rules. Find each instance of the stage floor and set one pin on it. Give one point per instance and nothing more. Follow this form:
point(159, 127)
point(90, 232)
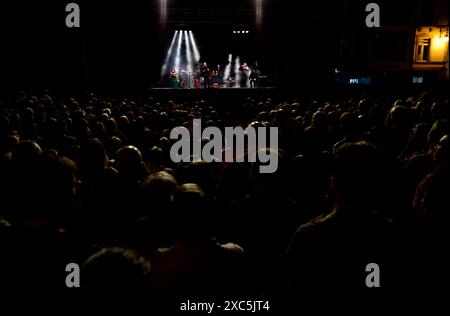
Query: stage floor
point(169, 93)
point(215, 89)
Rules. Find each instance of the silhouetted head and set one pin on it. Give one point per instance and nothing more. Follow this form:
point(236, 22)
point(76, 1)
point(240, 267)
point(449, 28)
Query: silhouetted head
point(116, 268)
point(441, 151)
point(431, 200)
point(399, 116)
point(200, 173)
point(93, 157)
point(159, 189)
point(348, 123)
point(191, 216)
point(356, 174)
point(27, 151)
point(319, 120)
point(128, 160)
point(437, 131)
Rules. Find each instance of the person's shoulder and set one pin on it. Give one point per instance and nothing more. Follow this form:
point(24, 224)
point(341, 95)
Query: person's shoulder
point(264, 200)
point(162, 256)
point(228, 253)
point(110, 171)
point(3, 222)
point(418, 158)
point(309, 233)
point(316, 222)
point(163, 251)
point(231, 248)
point(377, 220)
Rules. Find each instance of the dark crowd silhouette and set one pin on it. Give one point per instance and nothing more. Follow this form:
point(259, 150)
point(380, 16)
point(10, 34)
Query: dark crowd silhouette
point(89, 180)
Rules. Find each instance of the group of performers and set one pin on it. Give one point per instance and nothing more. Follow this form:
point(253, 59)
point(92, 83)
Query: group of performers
point(204, 76)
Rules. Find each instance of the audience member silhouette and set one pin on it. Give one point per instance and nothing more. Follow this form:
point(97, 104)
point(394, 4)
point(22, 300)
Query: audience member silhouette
point(357, 176)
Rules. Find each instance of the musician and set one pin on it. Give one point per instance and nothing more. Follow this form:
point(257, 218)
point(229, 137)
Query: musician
point(219, 70)
point(244, 69)
point(197, 75)
point(253, 79)
point(174, 83)
point(197, 80)
point(204, 71)
point(184, 80)
point(216, 77)
point(231, 82)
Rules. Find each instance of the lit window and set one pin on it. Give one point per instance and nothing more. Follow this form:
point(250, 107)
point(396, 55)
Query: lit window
point(423, 49)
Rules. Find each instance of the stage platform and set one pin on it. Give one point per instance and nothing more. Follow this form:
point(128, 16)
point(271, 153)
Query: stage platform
point(215, 89)
point(165, 94)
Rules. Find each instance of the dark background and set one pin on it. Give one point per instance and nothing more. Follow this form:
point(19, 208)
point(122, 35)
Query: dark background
point(121, 44)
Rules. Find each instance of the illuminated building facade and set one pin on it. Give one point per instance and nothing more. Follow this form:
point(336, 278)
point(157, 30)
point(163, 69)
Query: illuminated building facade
point(410, 46)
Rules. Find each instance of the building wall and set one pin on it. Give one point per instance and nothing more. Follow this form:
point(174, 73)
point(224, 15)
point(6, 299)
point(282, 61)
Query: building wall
point(392, 48)
point(438, 45)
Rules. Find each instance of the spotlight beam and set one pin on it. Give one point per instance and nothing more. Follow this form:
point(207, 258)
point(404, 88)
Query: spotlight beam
point(227, 71)
point(163, 11)
point(190, 60)
point(259, 12)
point(194, 47)
point(237, 65)
point(169, 54)
point(178, 54)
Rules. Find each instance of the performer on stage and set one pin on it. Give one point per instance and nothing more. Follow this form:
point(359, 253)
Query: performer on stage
point(218, 70)
point(244, 69)
point(197, 75)
point(253, 79)
point(204, 72)
point(174, 83)
point(184, 80)
point(216, 77)
point(197, 81)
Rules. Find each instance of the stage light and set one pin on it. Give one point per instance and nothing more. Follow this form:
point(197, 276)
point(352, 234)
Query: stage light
point(259, 12)
point(227, 71)
point(178, 53)
point(237, 65)
point(190, 59)
point(182, 54)
point(163, 11)
point(169, 54)
point(194, 47)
